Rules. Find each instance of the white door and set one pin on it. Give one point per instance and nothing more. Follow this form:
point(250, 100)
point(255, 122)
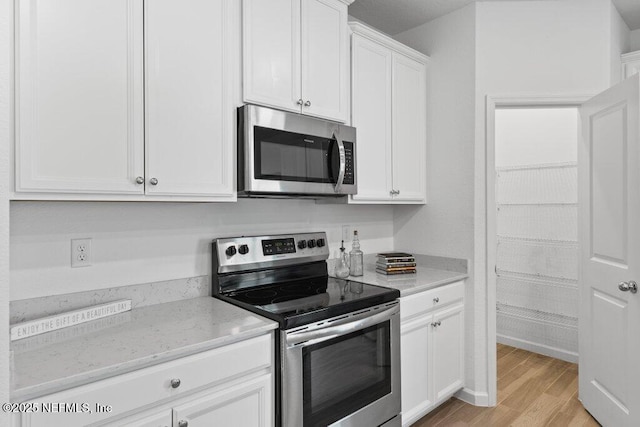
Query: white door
point(448, 351)
point(609, 221)
point(190, 112)
point(409, 129)
point(271, 53)
point(79, 95)
point(371, 116)
point(325, 59)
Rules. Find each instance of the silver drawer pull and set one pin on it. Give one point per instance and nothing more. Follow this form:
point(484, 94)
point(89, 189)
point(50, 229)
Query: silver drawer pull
point(175, 383)
point(436, 324)
point(183, 423)
point(436, 300)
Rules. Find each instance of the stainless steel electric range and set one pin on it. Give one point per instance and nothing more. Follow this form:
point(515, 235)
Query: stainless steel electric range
point(337, 349)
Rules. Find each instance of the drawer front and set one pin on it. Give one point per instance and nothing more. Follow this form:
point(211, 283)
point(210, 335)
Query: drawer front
point(129, 392)
point(432, 299)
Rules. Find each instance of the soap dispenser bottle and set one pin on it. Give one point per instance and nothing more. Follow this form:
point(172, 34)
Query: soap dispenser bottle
point(356, 256)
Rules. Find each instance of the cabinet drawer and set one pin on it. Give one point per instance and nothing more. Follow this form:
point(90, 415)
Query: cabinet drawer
point(132, 391)
point(431, 299)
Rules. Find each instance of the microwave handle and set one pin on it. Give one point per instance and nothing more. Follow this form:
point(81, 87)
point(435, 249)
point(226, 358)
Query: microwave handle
point(343, 161)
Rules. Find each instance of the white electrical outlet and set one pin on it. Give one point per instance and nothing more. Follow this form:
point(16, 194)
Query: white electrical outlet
point(80, 252)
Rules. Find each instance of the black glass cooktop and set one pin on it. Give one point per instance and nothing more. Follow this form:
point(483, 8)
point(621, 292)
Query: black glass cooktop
point(310, 300)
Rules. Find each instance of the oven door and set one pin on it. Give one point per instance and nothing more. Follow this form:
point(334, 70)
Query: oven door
point(343, 371)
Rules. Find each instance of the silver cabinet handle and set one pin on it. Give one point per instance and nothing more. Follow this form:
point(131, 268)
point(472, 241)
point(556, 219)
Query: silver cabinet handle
point(139, 180)
point(436, 324)
point(300, 101)
point(397, 192)
point(629, 286)
point(175, 383)
point(394, 192)
point(183, 423)
point(307, 104)
point(436, 300)
point(153, 181)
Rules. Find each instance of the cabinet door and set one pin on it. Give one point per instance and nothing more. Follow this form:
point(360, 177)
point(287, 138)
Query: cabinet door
point(409, 129)
point(271, 53)
point(248, 404)
point(190, 114)
point(79, 96)
point(371, 116)
point(160, 419)
point(415, 344)
point(325, 59)
point(448, 352)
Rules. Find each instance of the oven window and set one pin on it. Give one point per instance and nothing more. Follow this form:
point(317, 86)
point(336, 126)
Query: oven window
point(345, 374)
point(286, 156)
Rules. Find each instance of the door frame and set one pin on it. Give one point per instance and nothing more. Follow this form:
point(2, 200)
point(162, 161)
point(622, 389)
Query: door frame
point(494, 102)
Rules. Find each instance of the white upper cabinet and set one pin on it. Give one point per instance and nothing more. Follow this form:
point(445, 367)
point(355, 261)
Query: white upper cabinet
point(372, 117)
point(409, 116)
point(104, 113)
point(389, 111)
point(189, 110)
point(630, 64)
point(296, 56)
point(79, 96)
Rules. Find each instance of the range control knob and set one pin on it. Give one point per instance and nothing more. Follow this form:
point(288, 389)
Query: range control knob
point(320, 243)
point(302, 244)
point(311, 243)
point(231, 251)
point(243, 249)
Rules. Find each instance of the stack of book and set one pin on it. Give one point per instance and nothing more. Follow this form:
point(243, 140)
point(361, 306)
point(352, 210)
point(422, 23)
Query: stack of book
point(392, 263)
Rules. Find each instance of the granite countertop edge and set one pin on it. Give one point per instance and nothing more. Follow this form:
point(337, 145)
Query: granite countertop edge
point(62, 383)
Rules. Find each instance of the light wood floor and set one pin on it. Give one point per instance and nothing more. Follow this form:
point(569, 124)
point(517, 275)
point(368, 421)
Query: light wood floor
point(533, 390)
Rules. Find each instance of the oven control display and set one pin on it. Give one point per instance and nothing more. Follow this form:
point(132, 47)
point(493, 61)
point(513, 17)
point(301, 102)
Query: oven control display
point(278, 246)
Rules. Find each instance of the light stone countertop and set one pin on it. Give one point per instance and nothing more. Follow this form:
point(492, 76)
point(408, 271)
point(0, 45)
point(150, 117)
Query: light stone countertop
point(111, 346)
point(430, 273)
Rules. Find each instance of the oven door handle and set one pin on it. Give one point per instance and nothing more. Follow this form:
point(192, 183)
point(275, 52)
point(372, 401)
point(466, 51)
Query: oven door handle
point(339, 329)
point(343, 161)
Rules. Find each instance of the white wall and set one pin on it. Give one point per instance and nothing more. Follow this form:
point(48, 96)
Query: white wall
point(620, 43)
point(6, 28)
point(492, 48)
point(533, 48)
point(634, 40)
point(445, 225)
point(145, 242)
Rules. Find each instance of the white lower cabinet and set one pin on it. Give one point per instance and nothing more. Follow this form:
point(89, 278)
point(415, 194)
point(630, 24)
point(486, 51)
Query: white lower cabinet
point(230, 385)
point(432, 349)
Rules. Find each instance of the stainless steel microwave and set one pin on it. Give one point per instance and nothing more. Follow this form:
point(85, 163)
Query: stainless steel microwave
point(286, 154)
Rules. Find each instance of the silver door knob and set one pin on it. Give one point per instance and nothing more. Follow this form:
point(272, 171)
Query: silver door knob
point(300, 101)
point(153, 181)
point(307, 104)
point(183, 423)
point(175, 383)
point(436, 300)
point(139, 180)
point(630, 286)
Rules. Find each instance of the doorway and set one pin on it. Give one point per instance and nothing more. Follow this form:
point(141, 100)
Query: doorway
point(536, 214)
point(526, 229)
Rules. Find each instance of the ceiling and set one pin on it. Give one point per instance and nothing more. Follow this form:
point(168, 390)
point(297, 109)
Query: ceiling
point(396, 16)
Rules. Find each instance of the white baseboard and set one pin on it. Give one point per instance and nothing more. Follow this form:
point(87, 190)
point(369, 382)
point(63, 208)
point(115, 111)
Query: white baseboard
point(557, 353)
point(473, 397)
